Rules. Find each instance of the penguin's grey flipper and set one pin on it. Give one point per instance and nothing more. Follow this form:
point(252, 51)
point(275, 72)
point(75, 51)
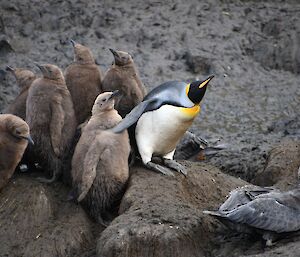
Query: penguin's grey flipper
point(175, 166)
point(158, 168)
point(133, 116)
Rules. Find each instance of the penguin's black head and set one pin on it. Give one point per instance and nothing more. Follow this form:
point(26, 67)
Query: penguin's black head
point(196, 90)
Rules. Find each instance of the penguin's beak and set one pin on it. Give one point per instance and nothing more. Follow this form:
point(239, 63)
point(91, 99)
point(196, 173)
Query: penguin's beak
point(39, 66)
point(9, 68)
point(73, 42)
point(42, 68)
point(205, 82)
point(28, 138)
point(114, 52)
point(115, 93)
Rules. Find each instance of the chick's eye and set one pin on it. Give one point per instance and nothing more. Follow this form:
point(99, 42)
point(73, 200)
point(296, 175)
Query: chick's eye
point(103, 100)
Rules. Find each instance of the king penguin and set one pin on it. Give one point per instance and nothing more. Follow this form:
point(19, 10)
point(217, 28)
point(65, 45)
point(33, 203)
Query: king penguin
point(162, 118)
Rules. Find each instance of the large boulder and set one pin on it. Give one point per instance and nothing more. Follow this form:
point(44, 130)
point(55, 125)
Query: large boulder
point(35, 220)
point(282, 166)
point(162, 216)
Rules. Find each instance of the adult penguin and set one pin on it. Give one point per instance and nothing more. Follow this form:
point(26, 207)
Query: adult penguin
point(162, 118)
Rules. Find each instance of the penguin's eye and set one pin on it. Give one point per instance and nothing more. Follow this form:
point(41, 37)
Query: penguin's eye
point(103, 100)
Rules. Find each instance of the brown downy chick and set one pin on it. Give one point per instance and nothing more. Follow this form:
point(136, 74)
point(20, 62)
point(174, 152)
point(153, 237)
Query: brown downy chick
point(123, 76)
point(51, 119)
point(100, 161)
point(83, 79)
point(14, 137)
point(24, 80)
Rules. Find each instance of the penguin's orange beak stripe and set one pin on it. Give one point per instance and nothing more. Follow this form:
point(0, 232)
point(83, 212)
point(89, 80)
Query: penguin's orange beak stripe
point(205, 82)
point(187, 88)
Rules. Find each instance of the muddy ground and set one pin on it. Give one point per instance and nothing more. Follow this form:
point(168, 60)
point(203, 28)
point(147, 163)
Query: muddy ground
point(252, 48)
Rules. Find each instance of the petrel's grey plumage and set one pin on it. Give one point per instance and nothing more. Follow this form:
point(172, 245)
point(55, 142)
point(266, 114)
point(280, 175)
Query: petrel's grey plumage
point(262, 208)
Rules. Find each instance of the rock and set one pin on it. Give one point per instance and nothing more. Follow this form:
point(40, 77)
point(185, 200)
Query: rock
point(282, 165)
point(198, 64)
point(278, 48)
point(35, 220)
point(272, 28)
point(28, 29)
point(288, 127)
point(5, 47)
point(162, 216)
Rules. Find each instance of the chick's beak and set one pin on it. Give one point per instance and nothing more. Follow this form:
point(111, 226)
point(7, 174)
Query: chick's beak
point(114, 52)
point(115, 93)
point(9, 68)
point(42, 68)
point(73, 42)
point(29, 139)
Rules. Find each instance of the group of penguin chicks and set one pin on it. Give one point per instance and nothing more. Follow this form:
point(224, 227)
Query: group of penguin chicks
point(69, 116)
point(75, 121)
point(76, 126)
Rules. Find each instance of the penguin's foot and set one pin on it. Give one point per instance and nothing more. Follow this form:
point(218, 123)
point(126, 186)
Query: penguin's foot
point(159, 168)
point(175, 166)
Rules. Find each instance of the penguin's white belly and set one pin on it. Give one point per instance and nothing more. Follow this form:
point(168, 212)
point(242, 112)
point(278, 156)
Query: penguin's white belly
point(158, 132)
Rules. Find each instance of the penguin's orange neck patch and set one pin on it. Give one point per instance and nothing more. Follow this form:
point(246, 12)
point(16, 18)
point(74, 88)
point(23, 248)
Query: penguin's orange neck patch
point(191, 112)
